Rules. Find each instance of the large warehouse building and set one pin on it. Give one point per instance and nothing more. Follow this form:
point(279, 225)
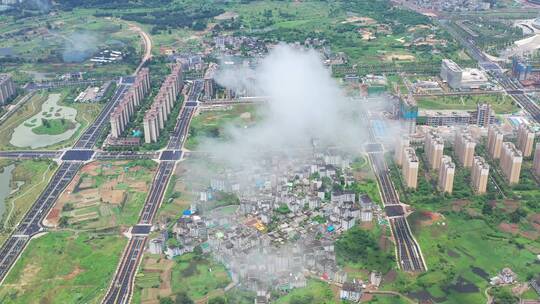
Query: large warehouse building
point(462, 78)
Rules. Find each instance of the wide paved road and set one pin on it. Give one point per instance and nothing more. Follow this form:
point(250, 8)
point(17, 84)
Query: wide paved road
point(81, 152)
point(509, 85)
point(90, 136)
point(31, 222)
point(30, 154)
point(181, 129)
point(121, 288)
point(408, 251)
point(408, 254)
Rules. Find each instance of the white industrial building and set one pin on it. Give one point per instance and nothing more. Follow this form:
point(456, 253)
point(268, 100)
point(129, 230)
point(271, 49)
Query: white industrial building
point(462, 78)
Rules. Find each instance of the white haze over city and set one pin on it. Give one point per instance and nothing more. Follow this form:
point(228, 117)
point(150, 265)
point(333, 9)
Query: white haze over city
point(303, 102)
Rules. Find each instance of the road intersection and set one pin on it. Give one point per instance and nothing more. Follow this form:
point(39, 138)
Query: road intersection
point(73, 159)
point(408, 253)
point(121, 288)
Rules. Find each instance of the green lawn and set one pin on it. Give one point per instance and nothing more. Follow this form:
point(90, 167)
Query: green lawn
point(387, 299)
point(42, 52)
point(86, 113)
point(54, 126)
point(315, 292)
point(29, 109)
point(369, 187)
point(211, 124)
point(454, 245)
point(148, 280)
point(461, 245)
point(359, 163)
point(63, 267)
point(33, 176)
point(198, 275)
point(501, 104)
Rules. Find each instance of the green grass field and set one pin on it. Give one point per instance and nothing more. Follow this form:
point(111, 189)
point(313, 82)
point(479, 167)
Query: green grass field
point(29, 109)
point(54, 127)
point(148, 280)
point(454, 245)
point(461, 242)
point(34, 176)
point(211, 124)
point(198, 276)
point(370, 187)
point(63, 267)
point(315, 292)
point(387, 299)
point(501, 104)
point(86, 113)
point(46, 37)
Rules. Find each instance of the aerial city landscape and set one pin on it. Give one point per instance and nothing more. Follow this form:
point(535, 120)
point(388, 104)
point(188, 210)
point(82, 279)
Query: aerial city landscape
point(276, 151)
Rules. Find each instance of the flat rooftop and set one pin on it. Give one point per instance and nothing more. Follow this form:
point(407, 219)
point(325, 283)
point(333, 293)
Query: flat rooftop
point(4, 77)
point(515, 151)
point(443, 113)
point(450, 64)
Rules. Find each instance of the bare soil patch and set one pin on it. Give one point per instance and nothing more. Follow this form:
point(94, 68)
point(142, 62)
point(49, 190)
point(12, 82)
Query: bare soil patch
point(428, 218)
point(72, 275)
point(459, 205)
point(390, 277)
point(510, 205)
point(509, 228)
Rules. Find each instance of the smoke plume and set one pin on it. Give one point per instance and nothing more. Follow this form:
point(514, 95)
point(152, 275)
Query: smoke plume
point(43, 6)
point(303, 103)
point(79, 46)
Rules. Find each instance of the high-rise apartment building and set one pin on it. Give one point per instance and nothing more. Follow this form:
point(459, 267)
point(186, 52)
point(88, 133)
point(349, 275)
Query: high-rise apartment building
point(209, 81)
point(124, 110)
point(402, 143)
point(410, 167)
point(433, 148)
point(7, 88)
point(495, 140)
point(446, 174)
point(464, 147)
point(406, 110)
point(525, 139)
point(479, 174)
point(536, 161)
point(151, 126)
point(511, 160)
point(155, 118)
point(484, 115)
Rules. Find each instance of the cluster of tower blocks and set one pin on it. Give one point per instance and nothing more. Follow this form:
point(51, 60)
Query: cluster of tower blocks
point(510, 156)
point(122, 113)
point(155, 118)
